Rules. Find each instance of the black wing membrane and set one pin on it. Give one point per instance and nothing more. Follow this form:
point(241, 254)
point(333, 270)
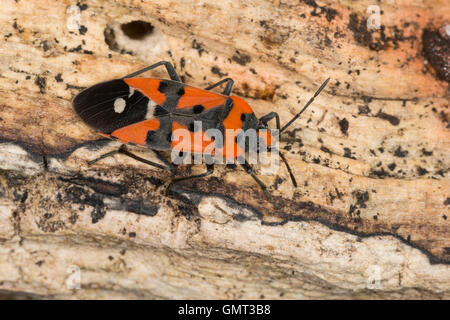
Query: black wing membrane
point(96, 106)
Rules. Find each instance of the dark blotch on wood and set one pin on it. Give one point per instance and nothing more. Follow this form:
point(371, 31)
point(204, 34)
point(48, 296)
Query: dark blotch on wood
point(217, 71)
point(381, 173)
point(392, 119)
point(392, 166)
point(436, 50)
point(98, 213)
point(82, 6)
point(45, 45)
point(362, 197)
point(182, 62)
point(59, 78)
point(380, 41)
point(325, 149)
point(75, 49)
point(360, 32)
point(364, 109)
point(421, 171)
point(82, 30)
point(41, 82)
point(197, 46)
point(241, 58)
point(400, 153)
point(344, 125)
point(330, 13)
point(100, 186)
point(348, 153)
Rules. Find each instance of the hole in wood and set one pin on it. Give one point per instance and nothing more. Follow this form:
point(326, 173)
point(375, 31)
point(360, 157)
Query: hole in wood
point(137, 30)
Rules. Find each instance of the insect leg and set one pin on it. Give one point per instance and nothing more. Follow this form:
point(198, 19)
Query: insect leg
point(267, 118)
point(161, 156)
point(270, 116)
point(250, 171)
point(294, 182)
point(169, 67)
point(123, 150)
point(209, 170)
point(228, 87)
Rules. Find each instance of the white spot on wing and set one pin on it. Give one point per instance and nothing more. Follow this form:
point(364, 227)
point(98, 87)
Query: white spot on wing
point(131, 92)
point(150, 109)
point(119, 105)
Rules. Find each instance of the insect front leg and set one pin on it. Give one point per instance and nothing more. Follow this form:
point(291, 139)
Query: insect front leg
point(264, 120)
point(169, 67)
point(270, 116)
point(248, 168)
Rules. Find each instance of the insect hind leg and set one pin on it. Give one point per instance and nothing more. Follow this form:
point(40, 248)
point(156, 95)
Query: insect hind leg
point(209, 171)
point(123, 150)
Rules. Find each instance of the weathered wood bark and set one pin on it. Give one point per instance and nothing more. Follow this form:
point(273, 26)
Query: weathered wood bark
point(370, 218)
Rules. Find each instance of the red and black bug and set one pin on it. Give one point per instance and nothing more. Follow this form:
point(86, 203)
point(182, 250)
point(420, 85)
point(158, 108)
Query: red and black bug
point(147, 111)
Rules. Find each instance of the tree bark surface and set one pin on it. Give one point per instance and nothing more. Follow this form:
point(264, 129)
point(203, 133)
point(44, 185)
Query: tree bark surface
point(369, 218)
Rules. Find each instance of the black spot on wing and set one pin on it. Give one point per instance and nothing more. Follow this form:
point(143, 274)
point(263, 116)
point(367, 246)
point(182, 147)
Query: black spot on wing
point(206, 120)
point(198, 109)
point(180, 91)
point(95, 106)
point(173, 90)
point(164, 86)
point(159, 139)
point(150, 136)
point(195, 126)
point(214, 115)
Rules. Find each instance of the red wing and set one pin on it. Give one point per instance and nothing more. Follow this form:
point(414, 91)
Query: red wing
point(172, 95)
point(137, 133)
point(198, 142)
point(198, 97)
point(187, 141)
point(149, 87)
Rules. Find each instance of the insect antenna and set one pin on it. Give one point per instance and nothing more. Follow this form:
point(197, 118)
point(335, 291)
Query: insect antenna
point(294, 182)
point(306, 106)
